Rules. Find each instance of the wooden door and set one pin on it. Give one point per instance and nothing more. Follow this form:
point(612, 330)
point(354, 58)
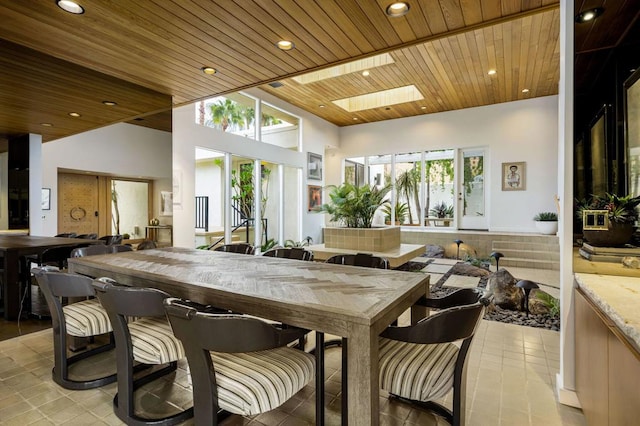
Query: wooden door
point(78, 203)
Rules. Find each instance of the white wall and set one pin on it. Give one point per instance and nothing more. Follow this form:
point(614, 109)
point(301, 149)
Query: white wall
point(524, 130)
point(123, 150)
point(187, 135)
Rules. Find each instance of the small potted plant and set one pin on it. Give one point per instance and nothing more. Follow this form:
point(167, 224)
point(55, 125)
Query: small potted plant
point(547, 222)
point(401, 210)
point(442, 210)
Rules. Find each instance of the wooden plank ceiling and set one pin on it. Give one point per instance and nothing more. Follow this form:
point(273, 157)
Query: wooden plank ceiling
point(157, 47)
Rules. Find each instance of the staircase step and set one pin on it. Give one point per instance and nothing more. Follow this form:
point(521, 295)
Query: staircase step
point(524, 245)
point(530, 263)
point(548, 255)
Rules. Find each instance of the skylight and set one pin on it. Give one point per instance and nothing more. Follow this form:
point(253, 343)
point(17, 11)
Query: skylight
point(351, 67)
point(384, 98)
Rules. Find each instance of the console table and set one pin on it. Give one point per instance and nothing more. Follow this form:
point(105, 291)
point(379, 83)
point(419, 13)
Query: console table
point(152, 232)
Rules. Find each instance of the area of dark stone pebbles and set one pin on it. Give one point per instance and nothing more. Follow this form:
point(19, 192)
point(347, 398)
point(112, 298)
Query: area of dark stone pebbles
point(498, 314)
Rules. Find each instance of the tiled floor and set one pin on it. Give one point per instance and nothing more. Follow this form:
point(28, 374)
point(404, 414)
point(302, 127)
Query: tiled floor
point(511, 377)
point(511, 381)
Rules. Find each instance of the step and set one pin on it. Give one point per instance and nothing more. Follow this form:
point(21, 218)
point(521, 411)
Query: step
point(548, 255)
point(523, 245)
point(530, 263)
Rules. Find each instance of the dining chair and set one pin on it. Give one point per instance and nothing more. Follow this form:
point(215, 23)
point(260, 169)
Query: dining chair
point(146, 245)
point(297, 253)
point(238, 364)
point(119, 248)
point(241, 248)
point(91, 236)
point(67, 235)
point(85, 318)
point(147, 340)
point(111, 239)
point(92, 250)
point(361, 259)
point(423, 362)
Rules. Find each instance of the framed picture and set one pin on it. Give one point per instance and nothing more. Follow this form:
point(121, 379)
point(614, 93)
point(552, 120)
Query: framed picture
point(514, 177)
point(46, 198)
point(315, 197)
point(166, 203)
point(314, 166)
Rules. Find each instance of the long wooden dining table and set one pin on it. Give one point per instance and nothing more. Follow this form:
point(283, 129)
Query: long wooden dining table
point(352, 302)
point(12, 247)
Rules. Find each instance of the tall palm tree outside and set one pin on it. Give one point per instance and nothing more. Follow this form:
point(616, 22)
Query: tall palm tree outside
point(225, 113)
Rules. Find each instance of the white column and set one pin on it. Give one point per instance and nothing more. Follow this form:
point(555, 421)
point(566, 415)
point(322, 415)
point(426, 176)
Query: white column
point(257, 200)
point(281, 204)
point(227, 197)
point(566, 381)
point(35, 184)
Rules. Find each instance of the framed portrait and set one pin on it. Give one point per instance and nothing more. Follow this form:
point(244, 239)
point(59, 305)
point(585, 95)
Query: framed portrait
point(166, 203)
point(314, 166)
point(514, 176)
point(315, 197)
point(46, 199)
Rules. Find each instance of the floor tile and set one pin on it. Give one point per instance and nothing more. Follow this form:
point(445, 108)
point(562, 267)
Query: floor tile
point(461, 281)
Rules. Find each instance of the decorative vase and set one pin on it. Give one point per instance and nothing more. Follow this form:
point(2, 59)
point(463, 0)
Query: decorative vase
point(618, 234)
point(547, 227)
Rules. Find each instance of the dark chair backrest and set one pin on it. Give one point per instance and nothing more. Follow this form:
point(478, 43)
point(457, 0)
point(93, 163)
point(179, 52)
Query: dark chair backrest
point(56, 256)
point(242, 248)
point(448, 325)
point(126, 301)
point(88, 236)
point(361, 259)
point(147, 245)
point(67, 235)
point(112, 239)
point(92, 250)
point(119, 248)
point(297, 253)
point(220, 333)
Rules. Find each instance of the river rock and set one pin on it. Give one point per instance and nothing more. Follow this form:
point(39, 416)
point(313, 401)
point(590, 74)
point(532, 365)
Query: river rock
point(468, 270)
point(434, 251)
point(505, 293)
point(631, 262)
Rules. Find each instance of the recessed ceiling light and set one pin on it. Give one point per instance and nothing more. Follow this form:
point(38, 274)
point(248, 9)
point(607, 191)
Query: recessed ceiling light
point(46, 124)
point(397, 9)
point(355, 118)
point(365, 73)
point(525, 90)
point(110, 103)
point(423, 107)
point(632, 70)
point(74, 114)
point(321, 106)
point(285, 45)
point(491, 72)
point(70, 6)
point(209, 70)
point(589, 15)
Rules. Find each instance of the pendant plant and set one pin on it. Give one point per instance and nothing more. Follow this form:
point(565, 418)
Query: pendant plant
point(354, 206)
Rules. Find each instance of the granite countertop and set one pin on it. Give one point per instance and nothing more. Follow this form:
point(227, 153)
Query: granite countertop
point(619, 298)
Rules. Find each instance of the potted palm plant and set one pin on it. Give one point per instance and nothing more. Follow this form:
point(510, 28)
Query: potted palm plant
point(546, 222)
point(354, 207)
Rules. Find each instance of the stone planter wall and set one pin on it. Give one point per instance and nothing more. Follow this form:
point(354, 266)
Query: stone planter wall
point(365, 239)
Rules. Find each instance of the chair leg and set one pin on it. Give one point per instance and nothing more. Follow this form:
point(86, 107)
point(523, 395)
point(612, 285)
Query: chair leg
point(60, 371)
point(126, 412)
point(344, 417)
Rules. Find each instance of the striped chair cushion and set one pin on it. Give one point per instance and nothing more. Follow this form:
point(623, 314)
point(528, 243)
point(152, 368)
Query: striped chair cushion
point(153, 341)
point(415, 371)
point(86, 318)
point(255, 382)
